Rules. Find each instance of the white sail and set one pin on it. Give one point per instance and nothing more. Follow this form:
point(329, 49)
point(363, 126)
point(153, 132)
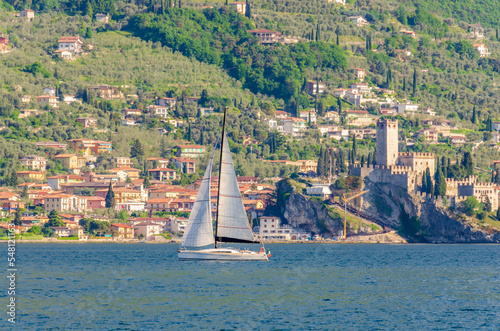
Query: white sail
point(199, 230)
point(232, 223)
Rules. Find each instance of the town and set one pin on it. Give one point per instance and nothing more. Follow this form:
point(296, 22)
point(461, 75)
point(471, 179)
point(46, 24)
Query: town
point(108, 185)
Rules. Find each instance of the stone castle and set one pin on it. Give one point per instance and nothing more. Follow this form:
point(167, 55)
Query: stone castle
point(406, 169)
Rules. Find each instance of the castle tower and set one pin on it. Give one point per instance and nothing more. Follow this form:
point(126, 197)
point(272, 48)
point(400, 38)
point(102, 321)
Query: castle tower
point(387, 142)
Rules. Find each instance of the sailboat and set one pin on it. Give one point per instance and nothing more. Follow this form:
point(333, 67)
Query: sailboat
point(231, 225)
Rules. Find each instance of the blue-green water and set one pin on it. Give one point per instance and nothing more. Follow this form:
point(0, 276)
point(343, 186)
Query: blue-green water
point(302, 287)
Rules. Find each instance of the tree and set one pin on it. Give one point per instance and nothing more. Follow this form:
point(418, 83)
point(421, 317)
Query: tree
point(354, 149)
point(498, 213)
point(88, 9)
point(54, 219)
point(414, 80)
point(474, 115)
point(430, 186)
point(248, 12)
point(35, 229)
point(467, 164)
point(487, 205)
point(13, 180)
point(137, 150)
point(24, 193)
point(440, 188)
point(88, 33)
point(17, 217)
point(424, 183)
point(110, 197)
point(339, 103)
point(317, 33)
point(469, 206)
point(404, 84)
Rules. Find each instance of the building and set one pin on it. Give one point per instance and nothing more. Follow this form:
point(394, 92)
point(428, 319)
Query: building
point(90, 146)
point(194, 151)
point(122, 161)
point(387, 142)
point(56, 181)
point(103, 18)
point(51, 144)
point(94, 203)
point(34, 162)
point(70, 98)
point(130, 172)
point(107, 92)
point(294, 126)
point(28, 14)
point(461, 189)
point(185, 164)
point(148, 230)
point(65, 202)
point(476, 31)
point(428, 111)
point(359, 118)
point(122, 194)
point(331, 116)
point(46, 100)
point(358, 21)
point(68, 161)
point(87, 122)
point(166, 102)
point(158, 111)
point(408, 107)
point(239, 6)
point(163, 174)
point(266, 36)
point(360, 74)
point(430, 135)
point(319, 190)
point(49, 91)
point(123, 231)
point(418, 162)
point(314, 86)
point(69, 43)
point(64, 54)
point(309, 115)
point(482, 50)
point(271, 229)
point(411, 34)
point(37, 175)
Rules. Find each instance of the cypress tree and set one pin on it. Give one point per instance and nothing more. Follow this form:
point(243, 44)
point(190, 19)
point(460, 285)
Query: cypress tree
point(110, 197)
point(497, 177)
point(88, 10)
point(325, 163)
point(374, 159)
point(440, 189)
point(404, 84)
point(338, 42)
point(492, 176)
point(414, 80)
point(474, 115)
point(13, 180)
point(362, 160)
point(319, 170)
point(248, 13)
point(498, 213)
point(369, 159)
point(424, 183)
point(496, 33)
point(430, 187)
point(339, 103)
point(317, 33)
point(354, 148)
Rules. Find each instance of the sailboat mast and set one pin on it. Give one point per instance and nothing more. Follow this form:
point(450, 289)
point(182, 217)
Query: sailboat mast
point(220, 174)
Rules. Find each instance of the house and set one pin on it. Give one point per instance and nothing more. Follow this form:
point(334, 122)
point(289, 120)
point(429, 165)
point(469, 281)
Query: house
point(185, 164)
point(87, 122)
point(122, 194)
point(94, 203)
point(70, 98)
point(360, 87)
point(64, 54)
point(239, 6)
point(359, 118)
point(311, 114)
point(206, 111)
point(342, 2)
point(319, 190)
point(51, 144)
point(266, 36)
point(314, 87)
point(69, 43)
point(88, 146)
point(482, 50)
point(65, 202)
point(294, 126)
point(46, 100)
point(457, 139)
point(26, 98)
point(280, 114)
point(28, 14)
point(4, 45)
point(158, 161)
point(163, 173)
point(476, 31)
point(271, 229)
point(128, 122)
point(358, 20)
point(355, 98)
point(34, 162)
point(193, 151)
point(68, 161)
point(103, 18)
point(49, 91)
point(132, 173)
point(331, 116)
point(124, 231)
point(430, 135)
point(428, 111)
point(388, 111)
point(122, 161)
point(340, 92)
point(61, 231)
point(158, 111)
point(131, 112)
point(57, 181)
point(407, 108)
point(38, 175)
point(166, 102)
point(360, 74)
point(148, 230)
point(411, 34)
point(107, 92)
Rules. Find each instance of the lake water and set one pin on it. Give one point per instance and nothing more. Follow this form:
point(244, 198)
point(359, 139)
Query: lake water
point(302, 287)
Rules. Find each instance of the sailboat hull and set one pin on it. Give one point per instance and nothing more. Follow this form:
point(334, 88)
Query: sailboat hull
point(222, 254)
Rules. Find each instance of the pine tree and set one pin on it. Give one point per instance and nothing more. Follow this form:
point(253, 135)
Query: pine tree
point(110, 197)
point(474, 115)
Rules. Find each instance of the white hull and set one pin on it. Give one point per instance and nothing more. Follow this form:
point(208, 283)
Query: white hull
point(222, 254)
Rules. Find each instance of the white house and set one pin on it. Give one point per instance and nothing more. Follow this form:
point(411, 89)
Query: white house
point(319, 190)
point(271, 229)
point(69, 43)
point(148, 230)
point(49, 91)
point(158, 111)
point(358, 20)
point(308, 114)
point(482, 50)
point(407, 108)
point(294, 126)
point(104, 18)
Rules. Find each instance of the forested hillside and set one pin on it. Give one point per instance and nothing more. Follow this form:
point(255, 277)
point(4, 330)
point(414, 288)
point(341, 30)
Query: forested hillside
point(152, 49)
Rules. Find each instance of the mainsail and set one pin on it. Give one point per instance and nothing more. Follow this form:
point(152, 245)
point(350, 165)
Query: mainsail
point(232, 222)
point(199, 231)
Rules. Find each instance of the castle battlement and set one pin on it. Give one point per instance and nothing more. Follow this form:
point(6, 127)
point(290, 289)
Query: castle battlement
point(480, 185)
point(401, 169)
point(466, 181)
point(416, 154)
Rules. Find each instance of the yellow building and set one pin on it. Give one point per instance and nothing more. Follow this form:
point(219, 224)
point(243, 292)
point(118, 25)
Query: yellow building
point(68, 161)
point(31, 174)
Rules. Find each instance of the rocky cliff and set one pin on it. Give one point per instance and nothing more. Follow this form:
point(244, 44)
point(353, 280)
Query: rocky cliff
point(421, 219)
